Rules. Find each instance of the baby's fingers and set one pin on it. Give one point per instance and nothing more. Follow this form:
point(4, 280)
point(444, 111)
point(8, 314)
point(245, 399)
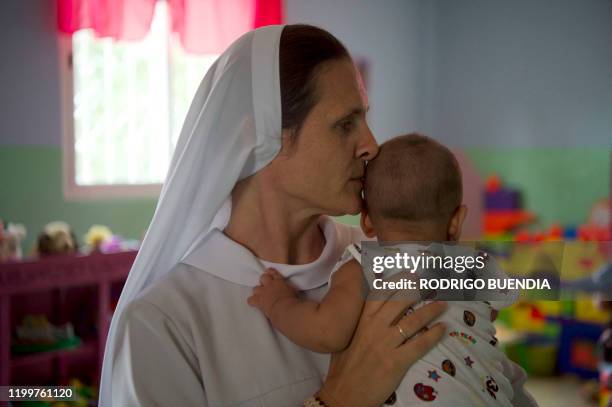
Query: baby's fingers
point(265, 279)
point(253, 301)
point(274, 273)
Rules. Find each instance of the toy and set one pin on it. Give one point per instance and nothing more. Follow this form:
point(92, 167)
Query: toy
point(11, 236)
point(503, 213)
point(37, 334)
point(96, 236)
point(56, 238)
point(83, 396)
point(601, 284)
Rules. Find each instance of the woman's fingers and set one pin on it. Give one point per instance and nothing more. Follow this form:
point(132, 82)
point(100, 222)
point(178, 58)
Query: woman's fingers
point(371, 353)
point(417, 347)
point(410, 324)
point(389, 309)
point(392, 303)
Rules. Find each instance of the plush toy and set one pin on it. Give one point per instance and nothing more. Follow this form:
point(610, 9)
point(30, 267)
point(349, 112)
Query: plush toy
point(56, 238)
point(97, 236)
point(11, 236)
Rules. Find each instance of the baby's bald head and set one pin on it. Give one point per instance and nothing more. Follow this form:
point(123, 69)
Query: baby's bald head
point(413, 179)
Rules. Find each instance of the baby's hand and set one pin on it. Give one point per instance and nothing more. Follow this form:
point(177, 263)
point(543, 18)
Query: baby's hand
point(272, 288)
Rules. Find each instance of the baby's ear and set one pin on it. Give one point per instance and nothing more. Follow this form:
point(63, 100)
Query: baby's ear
point(366, 224)
point(456, 223)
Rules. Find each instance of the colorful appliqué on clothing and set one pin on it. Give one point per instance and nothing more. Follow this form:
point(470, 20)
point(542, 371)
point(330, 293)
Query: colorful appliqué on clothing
point(448, 367)
point(433, 375)
point(491, 386)
point(469, 318)
point(468, 361)
point(468, 339)
point(425, 392)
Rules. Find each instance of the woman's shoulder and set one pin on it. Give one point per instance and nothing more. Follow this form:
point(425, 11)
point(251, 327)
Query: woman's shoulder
point(162, 297)
point(173, 297)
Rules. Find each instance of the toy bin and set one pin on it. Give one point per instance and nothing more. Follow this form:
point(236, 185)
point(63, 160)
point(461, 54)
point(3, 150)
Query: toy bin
point(536, 354)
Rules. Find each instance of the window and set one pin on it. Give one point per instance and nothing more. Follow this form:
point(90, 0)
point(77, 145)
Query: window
point(124, 107)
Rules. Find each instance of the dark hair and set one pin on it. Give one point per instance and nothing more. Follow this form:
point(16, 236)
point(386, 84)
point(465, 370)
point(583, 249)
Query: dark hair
point(413, 178)
point(303, 48)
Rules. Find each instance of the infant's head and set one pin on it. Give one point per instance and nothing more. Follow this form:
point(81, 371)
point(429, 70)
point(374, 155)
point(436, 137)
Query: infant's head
point(413, 191)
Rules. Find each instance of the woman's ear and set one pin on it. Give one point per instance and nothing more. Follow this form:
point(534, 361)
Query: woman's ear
point(366, 224)
point(456, 223)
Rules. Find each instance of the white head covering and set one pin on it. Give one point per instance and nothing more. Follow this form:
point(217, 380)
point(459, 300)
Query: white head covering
point(231, 131)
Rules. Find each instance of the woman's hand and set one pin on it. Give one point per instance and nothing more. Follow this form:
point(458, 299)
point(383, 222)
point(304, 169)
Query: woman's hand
point(370, 369)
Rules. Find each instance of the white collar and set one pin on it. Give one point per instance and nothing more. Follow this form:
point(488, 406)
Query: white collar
point(222, 257)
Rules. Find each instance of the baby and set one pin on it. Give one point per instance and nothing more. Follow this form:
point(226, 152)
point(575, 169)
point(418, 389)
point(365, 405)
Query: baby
point(413, 192)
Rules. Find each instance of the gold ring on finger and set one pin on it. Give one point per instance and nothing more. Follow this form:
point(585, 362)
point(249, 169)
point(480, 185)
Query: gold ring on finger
point(401, 331)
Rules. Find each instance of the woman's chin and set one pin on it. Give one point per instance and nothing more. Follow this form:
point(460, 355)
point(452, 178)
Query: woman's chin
point(354, 205)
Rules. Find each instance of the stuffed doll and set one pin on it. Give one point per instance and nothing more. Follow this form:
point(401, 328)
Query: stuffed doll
point(56, 238)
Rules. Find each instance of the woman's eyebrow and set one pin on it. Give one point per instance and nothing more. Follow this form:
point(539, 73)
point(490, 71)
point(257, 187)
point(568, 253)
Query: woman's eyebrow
point(358, 111)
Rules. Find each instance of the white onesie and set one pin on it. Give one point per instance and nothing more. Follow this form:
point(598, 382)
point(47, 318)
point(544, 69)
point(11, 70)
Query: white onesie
point(467, 368)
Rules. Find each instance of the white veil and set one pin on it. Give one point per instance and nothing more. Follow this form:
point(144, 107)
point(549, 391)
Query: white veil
point(231, 131)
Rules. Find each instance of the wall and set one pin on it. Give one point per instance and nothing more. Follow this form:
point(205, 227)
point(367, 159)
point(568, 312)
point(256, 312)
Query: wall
point(560, 185)
point(388, 35)
point(520, 73)
point(526, 88)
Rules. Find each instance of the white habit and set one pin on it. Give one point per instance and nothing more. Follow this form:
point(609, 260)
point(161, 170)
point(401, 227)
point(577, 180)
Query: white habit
point(192, 340)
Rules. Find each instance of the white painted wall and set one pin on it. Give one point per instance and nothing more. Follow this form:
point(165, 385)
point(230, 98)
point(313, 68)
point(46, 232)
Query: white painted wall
point(521, 73)
point(387, 34)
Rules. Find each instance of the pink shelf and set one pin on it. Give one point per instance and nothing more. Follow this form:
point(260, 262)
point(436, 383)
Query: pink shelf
point(56, 274)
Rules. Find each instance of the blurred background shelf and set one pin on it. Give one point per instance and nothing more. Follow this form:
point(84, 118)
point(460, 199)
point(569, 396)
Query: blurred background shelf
point(82, 290)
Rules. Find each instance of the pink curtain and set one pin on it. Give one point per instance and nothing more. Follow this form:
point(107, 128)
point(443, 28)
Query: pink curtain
point(204, 26)
point(118, 19)
point(209, 26)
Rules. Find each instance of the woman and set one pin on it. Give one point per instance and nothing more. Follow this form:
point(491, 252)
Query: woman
point(276, 137)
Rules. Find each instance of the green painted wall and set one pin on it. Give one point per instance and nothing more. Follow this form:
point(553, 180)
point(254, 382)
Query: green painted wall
point(31, 193)
point(559, 185)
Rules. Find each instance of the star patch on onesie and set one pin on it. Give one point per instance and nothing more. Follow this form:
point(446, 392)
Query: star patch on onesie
point(433, 375)
point(468, 361)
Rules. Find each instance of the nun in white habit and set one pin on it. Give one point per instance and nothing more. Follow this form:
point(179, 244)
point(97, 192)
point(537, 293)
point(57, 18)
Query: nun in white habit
point(183, 333)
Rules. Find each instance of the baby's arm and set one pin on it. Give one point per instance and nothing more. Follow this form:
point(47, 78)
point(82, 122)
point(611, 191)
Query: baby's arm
point(324, 327)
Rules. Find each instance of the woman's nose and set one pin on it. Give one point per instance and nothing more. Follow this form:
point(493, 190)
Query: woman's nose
point(368, 147)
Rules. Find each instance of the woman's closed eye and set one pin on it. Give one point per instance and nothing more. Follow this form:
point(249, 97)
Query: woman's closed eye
point(346, 126)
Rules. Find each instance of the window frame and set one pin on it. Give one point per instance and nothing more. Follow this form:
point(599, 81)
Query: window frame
point(71, 190)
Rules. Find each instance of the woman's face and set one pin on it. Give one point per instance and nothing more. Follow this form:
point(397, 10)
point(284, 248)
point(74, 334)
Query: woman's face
point(322, 167)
